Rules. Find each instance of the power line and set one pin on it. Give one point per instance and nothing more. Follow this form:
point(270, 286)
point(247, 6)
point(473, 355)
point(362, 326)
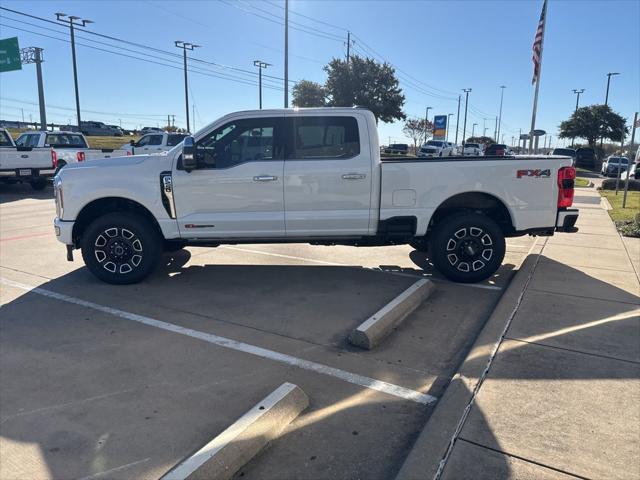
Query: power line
point(309, 18)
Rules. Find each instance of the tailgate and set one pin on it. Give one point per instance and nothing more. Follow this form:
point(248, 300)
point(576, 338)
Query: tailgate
point(95, 154)
point(35, 159)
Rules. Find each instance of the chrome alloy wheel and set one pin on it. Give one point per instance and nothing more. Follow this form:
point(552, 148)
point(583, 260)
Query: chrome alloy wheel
point(469, 249)
point(118, 250)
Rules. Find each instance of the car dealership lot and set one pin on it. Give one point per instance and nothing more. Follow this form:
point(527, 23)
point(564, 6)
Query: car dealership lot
point(128, 380)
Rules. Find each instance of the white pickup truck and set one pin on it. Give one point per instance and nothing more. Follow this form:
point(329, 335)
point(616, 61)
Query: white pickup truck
point(23, 164)
point(67, 147)
point(306, 175)
point(154, 143)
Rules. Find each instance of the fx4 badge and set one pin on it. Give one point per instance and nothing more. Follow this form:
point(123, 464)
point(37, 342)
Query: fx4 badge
point(534, 173)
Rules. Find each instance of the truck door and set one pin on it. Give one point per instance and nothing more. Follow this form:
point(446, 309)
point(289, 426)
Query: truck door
point(327, 176)
point(237, 189)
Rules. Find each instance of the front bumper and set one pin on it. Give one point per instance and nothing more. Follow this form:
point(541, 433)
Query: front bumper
point(566, 220)
point(64, 230)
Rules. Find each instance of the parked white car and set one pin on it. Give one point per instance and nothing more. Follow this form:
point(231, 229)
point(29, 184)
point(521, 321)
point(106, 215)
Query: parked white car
point(436, 148)
point(154, 143)
point(67, 147)
point(612, 164)
point(24, 164)
point(306, 176)
point(472, 149)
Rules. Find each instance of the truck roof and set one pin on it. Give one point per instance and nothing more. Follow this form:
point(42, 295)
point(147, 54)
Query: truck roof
point(305, 109)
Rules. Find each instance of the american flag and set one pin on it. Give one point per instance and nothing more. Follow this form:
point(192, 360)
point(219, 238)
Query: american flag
point(537, 44)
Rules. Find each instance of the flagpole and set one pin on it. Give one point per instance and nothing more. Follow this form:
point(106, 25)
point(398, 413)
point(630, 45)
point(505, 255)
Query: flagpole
point(535, 96)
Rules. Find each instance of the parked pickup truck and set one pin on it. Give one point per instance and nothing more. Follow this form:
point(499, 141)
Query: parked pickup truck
point(23, 164)
point(436, 148)
point(67, 147)
point(154, 143)
point(311, 176)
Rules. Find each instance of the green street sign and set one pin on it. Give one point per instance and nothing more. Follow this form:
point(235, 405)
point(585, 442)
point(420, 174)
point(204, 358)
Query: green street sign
point(10, 55)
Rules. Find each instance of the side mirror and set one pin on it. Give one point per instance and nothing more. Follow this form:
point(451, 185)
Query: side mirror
point(189, 161)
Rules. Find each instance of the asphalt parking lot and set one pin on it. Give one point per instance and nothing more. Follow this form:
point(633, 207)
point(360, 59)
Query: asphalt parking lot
point(103, 381)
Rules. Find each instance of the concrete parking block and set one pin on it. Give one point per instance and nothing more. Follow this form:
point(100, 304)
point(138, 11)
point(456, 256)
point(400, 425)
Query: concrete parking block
point(571, 411)
point(227, 453)
point(378, 326)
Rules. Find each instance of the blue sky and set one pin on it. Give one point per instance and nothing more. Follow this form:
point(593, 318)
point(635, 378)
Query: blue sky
point(439, 48)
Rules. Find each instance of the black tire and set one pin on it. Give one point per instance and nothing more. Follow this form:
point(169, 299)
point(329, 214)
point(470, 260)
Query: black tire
point(467, 247)
point(121, 248)
point(39, 183)
point(170, 246)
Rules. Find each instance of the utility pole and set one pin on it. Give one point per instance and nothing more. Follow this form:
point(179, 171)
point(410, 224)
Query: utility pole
point(193, 110)
point(22, 110)
point(449, 115)
point(606, 98)
point(260, 64)
point(484, 127)
point(426, 121)
point(168, 121)
point(626, 182)
point(186, 46)
point(34, 55)
point(473, 130)
point(466, 104)
point(502, 87)
point(286, 53)
point(520, 139)
point(495, 131)
point(82, 22)
point(348, 44)
point(458, 119)
point(173, 120)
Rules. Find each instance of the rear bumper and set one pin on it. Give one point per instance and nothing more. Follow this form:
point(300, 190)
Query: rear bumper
point(34, 173)
point(566, 220)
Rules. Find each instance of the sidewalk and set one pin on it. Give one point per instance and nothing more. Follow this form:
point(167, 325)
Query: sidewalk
point(558, 396)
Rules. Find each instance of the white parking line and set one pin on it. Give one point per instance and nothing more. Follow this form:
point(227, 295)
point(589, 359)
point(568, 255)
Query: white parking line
point(375, 269)
point(353, 378)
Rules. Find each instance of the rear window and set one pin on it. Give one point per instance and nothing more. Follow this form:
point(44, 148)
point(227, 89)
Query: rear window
point(564, 151)
point(174, 139)
point(65, 140)
point(325, 137)
point(619, 160)
point(399, 146)
point(5, 140)
point(434, 143)
point(472, 145)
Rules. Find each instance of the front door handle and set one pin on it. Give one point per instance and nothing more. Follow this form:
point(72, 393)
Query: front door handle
point(265, 178)
point(353, 176)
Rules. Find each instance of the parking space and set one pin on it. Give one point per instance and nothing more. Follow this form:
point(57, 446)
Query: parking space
point(126, 381)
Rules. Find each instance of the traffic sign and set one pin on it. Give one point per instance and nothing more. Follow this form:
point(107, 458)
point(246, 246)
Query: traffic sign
point(10, 55)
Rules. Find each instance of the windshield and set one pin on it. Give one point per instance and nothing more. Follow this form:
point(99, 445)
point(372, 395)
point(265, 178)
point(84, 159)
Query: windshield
point(564, 151)
point(5, 140)
point(65, 140)
point(434, 143)
point(619, 160)
point(471, 145)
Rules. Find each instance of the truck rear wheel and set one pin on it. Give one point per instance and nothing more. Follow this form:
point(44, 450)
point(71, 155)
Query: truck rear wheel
point(467, 247)
point(121, 248)
point(39, 183)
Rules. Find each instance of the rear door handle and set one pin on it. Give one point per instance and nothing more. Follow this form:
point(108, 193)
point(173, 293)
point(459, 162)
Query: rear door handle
point(265, 178)
point(353, 176)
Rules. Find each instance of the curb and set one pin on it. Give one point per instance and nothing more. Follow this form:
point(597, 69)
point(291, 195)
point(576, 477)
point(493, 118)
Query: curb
point(604, 203)
point(433, 445)
point(227, 453)
point(378, 326)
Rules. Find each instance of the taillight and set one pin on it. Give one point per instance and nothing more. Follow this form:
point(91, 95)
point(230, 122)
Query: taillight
point(129, 153)
point(80, 156)
point(566, 177)
point(54, 159)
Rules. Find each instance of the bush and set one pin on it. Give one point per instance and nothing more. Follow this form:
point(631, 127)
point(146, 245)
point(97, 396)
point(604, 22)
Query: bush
point(610, 184)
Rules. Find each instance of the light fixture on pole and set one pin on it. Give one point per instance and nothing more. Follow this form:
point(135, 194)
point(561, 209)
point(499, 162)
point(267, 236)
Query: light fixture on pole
point(578, 92)
point(186, 46)
point(74, 21)
point(260, 64)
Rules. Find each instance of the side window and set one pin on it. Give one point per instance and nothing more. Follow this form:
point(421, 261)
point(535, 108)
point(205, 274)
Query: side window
point(175, 139)
point(155, 139)
point(21, 141)
point(325, 137)
point(240, 141)
point(143, 141)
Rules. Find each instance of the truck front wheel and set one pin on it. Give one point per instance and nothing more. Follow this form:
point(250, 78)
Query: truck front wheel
point(121, 248)
point(467, 247)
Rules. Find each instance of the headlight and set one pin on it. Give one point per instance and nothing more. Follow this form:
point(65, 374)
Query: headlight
point(57, 190)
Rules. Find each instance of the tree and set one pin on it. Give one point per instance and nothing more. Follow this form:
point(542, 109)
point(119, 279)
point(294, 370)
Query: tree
point(417, 129)
point(309, 94)
point(366, 83)
point(594, 122)
point(484, 140)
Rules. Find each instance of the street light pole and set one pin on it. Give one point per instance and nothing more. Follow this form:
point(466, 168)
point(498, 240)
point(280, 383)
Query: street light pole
point(484, 127)
point(71, 21)
point(466, 104)
point(502, 87)
point(286, 53)
point(449, 115)
point(186, 46)
point(426, 121)
point(260, 64)
point(458, 119)
point(577, 92)
point(606, 97)
point(473, 130)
